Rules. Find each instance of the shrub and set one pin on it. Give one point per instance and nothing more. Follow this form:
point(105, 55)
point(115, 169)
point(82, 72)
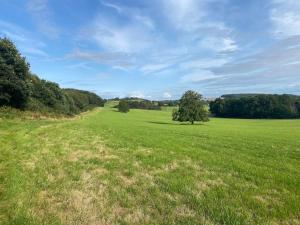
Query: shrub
point(123, 106)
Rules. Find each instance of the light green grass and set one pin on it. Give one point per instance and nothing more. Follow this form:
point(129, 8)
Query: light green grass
point(108, 167)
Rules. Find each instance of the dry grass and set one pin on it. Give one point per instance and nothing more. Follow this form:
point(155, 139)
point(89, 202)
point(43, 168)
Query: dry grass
point(111, 168)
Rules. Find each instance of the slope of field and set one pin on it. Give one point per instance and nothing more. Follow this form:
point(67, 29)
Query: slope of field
point(107, 167)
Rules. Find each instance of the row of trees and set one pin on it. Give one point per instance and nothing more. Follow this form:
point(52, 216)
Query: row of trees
point(168, 103)
point(191, 108)
point(19, 88)
point(139, 104)
point(257, 106)
point(144, 104)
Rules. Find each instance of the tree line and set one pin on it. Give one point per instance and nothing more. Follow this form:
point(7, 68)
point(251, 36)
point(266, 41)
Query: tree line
point(136, 103)
point(257, 106)
point(19, 88)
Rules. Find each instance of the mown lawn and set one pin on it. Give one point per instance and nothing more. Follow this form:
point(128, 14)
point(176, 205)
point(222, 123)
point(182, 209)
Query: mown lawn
point(107, 167)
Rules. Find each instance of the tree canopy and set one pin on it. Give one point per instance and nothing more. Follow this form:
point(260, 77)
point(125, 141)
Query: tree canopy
point(19, 88)
point(257, 106)
point(14, 74)
point(191, 108)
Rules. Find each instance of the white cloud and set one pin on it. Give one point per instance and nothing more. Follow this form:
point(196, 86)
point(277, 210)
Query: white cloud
point(113, 6)
point(42, 16)
point(81, 65)
point(167, 95)
point(151, 68)
point(132, 13)
point(219, 44)
point(25, 40)
point(131, 38)
point(137, 94)
point(280, 54)
point(193, 15)
point(195, 21)
point(200, 75)
point(184, 14)
point(204, 63)
point(116, 59)
point(285, 17)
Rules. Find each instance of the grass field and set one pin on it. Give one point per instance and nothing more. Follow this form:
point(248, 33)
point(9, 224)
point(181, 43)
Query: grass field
point(106, 167)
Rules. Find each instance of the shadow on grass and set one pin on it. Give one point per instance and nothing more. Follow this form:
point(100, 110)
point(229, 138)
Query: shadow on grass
point(176, 124)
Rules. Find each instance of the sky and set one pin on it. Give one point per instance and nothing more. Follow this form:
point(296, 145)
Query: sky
point(157, 49)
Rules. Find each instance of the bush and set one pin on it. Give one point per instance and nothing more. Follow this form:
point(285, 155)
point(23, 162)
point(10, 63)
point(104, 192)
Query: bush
point(123, 106)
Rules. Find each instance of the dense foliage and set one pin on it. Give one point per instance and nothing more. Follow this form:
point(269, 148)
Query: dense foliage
point(14, 71)
point(144, 104)
point(257, 106)
point(191, 108)
point(84, 100)
point(168, 103)
point(138, 103)
point(47, 96)
point(21, 89)
point(123, 106)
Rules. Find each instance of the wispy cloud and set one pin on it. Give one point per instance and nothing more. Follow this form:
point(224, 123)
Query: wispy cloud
point(167, 95)
point(122, 38)
point(185, 15)
point(204, 63)
point(285, 17)
point(195, 20)
point(268, 70)
point(220, 45)
point(42, 15)
point(112, 6)
point(200, 75)
point(138, 94)
point(24, 39)
point(151, 68)
point(116, 59)
point(207, 45)
point(143, 35)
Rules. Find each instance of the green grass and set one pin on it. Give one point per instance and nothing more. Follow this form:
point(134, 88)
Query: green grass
point(107, 167)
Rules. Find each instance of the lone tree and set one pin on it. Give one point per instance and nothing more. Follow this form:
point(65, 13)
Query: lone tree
point(123, 106)
point(191, 108)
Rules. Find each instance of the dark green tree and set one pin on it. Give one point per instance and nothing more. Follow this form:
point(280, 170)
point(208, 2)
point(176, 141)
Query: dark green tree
point(14, 74)
point(191, 108)
point(256, 106)
point(123, 106)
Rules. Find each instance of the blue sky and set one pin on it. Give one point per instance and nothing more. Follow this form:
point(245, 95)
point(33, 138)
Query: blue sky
point(158, 49)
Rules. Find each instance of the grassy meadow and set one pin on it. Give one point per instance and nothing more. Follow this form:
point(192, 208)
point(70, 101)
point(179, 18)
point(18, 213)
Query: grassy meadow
point(106, 167)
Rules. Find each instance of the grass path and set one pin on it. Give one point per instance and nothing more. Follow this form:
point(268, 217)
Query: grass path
point(107, 167)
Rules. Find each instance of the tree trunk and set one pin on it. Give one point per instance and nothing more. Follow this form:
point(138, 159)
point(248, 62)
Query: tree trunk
point(192, 122)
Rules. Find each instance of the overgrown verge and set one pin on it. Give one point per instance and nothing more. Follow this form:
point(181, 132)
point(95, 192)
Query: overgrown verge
point(10, 113)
